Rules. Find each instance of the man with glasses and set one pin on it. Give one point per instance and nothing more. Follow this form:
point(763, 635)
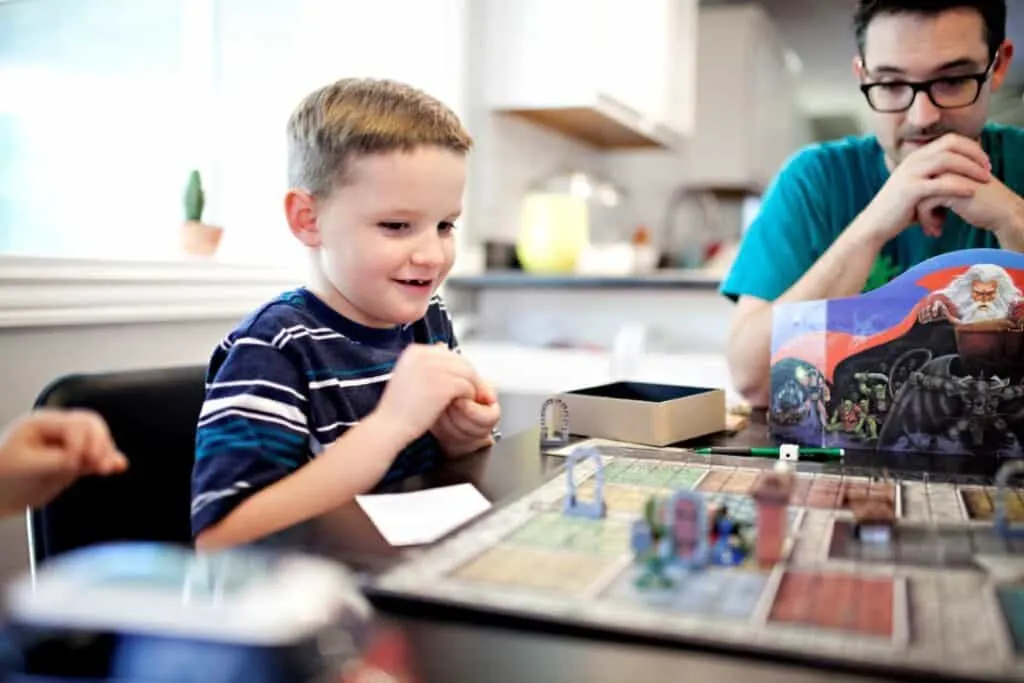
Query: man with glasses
point(847, 216)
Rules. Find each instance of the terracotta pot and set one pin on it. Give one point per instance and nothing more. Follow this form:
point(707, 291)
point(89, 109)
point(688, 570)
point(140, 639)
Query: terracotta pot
point(200, 239)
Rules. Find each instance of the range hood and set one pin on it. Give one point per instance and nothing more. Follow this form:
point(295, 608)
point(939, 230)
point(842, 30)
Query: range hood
point(603, 123)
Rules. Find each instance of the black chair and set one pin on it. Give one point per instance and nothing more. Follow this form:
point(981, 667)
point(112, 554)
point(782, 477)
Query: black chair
point(152, 416)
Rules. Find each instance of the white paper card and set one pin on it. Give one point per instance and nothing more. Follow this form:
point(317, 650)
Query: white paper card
point(422, 516)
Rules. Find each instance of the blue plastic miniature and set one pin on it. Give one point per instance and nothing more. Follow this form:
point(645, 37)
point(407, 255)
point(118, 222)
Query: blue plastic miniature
point(595, 509)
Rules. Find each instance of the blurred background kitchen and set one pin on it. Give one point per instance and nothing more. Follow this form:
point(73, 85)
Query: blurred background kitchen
point(622, 147)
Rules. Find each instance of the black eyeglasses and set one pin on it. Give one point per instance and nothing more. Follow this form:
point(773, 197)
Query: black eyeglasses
point(946, 92)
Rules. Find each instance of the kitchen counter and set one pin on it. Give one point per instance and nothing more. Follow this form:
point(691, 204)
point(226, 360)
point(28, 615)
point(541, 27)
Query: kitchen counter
point(518, 279)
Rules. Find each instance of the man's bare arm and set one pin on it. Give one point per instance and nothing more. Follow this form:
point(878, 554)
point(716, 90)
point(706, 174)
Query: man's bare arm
point(841, 271)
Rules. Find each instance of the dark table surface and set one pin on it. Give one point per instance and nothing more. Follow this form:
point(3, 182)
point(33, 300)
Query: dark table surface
point(451, 645)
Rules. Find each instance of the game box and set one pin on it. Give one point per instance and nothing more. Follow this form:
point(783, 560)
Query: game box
point(932, 362)
point(644, 413)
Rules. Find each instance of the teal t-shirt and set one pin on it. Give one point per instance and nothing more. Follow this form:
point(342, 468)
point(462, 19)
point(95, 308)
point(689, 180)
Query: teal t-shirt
point(823, 188)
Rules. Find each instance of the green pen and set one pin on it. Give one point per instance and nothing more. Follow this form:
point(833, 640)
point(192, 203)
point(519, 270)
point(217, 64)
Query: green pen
point(767, 451)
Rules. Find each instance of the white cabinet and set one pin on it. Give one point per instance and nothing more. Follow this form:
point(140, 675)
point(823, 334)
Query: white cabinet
point(610, 72)
point(747, 118)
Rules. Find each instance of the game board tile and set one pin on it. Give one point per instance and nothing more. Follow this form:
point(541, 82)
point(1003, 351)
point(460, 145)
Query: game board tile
point(1014, 506)
point(915, 502)
point(741, 481)
point(985, 541)
point(875, 606)
point(944, 504)
point(795, 596)
point(741, 594)
point(858, 489)
point(831, 602)
point(819, 497)
point(714, 480)
point(977, 501)
point(924, 609)
point(801, 487)
point(531, 568)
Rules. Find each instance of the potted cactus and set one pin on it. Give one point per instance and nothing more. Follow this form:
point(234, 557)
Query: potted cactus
point(198, 238)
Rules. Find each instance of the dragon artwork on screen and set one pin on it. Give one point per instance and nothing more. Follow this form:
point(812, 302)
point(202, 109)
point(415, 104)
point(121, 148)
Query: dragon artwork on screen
point(931, 362)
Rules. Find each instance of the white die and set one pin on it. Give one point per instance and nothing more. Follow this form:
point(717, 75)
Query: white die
point(790, 452)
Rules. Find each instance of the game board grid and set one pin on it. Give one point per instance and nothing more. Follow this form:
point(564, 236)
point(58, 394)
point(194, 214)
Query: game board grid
point(426, 576)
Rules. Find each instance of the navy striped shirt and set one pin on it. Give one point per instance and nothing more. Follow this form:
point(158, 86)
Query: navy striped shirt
point(287, 383)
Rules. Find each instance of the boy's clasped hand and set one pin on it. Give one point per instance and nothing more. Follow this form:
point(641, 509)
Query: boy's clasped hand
point(435, 389)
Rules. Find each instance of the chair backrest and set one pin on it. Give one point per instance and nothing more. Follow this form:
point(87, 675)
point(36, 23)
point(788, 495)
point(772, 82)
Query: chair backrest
point(152, 416)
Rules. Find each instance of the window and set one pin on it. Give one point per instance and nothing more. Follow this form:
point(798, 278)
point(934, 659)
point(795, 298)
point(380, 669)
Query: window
point(106, 105)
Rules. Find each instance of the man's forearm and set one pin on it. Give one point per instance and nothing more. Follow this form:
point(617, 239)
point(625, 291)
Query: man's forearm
point(1011, 235)
point(350, 466)
point(842, 270)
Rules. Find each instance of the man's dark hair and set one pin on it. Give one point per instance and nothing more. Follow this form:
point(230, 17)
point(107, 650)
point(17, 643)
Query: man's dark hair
point(993, 12)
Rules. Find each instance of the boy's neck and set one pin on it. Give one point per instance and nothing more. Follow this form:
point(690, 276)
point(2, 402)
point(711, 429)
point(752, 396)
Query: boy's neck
point(323, 289)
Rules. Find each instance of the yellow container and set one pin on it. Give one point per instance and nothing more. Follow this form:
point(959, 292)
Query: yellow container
point(553, 232)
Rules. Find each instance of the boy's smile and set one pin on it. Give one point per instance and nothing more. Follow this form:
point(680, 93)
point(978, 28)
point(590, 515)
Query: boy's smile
point(385, 234)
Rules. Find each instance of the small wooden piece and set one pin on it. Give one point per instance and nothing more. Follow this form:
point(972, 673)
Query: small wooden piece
point(772, 494)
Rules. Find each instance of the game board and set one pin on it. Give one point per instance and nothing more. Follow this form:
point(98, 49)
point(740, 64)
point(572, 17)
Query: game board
point(931, 362)
point(945, 598)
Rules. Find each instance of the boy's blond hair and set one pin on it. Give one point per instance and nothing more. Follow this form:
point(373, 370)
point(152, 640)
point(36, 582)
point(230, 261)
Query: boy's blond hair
point(353, 117)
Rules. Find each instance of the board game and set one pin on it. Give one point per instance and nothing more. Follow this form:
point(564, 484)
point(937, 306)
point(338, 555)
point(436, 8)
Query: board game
point(940, 592)
point(932, 361)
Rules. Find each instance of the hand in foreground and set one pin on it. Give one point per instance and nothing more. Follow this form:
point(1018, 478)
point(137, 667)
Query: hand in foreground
point(991, 206)
point(43, 452)
point(951, 167)
point(426, 379)
point(467, 425)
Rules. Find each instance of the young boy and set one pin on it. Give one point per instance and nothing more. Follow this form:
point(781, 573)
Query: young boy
point(355, 379)
point(43, 452)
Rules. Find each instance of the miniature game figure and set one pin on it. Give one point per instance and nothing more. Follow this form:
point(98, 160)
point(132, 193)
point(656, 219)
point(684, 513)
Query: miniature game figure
point(1002, 521)
point(595, 509)
point(689, 523)
point(875, 515)
point(559, 419)
point(652, 545)
point(771, 495)
point(728, 547)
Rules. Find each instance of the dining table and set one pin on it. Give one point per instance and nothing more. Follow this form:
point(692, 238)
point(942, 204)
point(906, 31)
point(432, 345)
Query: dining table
point(451, 644)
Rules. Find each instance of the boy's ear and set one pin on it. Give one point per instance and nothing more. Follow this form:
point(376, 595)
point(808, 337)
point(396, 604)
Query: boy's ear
point(300, 210)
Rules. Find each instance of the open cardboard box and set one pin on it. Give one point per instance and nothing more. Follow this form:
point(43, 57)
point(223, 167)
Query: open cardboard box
point(643, 413)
